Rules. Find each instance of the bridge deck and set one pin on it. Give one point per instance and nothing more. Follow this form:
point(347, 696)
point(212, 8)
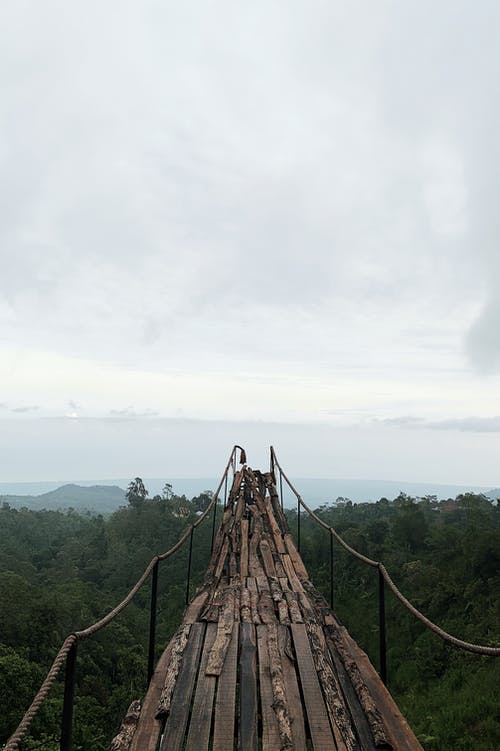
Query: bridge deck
point(260, 662)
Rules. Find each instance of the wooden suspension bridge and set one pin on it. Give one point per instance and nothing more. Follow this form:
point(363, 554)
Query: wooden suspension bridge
point(259, 662)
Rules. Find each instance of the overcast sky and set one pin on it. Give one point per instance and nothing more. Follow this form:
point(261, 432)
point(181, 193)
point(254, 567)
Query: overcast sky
point(250, 222)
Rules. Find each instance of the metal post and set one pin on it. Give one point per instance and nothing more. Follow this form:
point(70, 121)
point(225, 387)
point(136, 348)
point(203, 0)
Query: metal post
point(298, 525)
point(331, 569)
point(189, 564)
point(381, 627)
point(69, 698)
point(281, 490)
point(213, 525)
point(225, 493)
point(152, 623)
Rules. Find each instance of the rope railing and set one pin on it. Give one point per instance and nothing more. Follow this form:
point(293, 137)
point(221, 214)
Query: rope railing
point(383, 576)
point(68, 648)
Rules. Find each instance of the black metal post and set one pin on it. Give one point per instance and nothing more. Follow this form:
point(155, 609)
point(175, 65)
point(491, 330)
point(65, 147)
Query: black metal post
point(298, 525)
point(331, 569)
point(152, 623)
point(69, 698)
point(281, 490)
point(213, 526)
point(189, 564)
point(225, 493)
point(381, 627)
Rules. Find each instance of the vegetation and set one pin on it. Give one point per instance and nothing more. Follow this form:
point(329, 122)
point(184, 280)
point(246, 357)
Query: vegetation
point(60, 571)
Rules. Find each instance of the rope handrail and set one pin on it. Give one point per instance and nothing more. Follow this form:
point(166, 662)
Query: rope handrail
point(469, 646)
point(71, 639)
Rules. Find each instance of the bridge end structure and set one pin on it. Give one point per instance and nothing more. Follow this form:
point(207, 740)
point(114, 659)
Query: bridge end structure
point(260, 661)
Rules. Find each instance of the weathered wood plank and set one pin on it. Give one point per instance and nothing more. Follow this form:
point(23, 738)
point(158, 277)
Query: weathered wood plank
point(248, 689)
point(225, 703)
point(180, 642)
point(148, 729)
point(123, 739)
point(270, 729)
point(201, 717)
point(267, 557)
point(195, 607)
point(319, 724)
point(175, 727)
point(400, 734)
point(360, 721)
point(338, 711)
point(297, 561)
point(222, 559)
point(224, 631)
point(292, 689)
point(291, 574)
point(275, 530)
point(244, 549)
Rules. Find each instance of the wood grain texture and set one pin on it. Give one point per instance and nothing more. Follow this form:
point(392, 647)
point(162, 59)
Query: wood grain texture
point(225, 704)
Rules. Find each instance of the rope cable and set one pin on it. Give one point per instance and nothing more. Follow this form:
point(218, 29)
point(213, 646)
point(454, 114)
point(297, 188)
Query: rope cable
point(453, 640)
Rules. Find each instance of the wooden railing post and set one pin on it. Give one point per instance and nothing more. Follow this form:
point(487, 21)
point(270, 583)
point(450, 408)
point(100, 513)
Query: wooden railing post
point(69, 699)
point(381, 627)
point(152, 622)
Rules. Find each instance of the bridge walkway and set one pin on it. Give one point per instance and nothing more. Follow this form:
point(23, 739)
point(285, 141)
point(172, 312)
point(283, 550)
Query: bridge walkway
point(260, 661)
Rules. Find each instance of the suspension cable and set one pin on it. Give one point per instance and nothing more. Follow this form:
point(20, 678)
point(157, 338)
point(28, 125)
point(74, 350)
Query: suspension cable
point(470, 647)
point(22, 728)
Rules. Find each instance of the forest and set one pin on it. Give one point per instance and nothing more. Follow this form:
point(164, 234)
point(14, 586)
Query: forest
point(62, 570)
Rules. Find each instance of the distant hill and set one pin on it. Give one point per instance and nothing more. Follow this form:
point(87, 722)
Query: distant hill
point(102, 499)
point(105, 498)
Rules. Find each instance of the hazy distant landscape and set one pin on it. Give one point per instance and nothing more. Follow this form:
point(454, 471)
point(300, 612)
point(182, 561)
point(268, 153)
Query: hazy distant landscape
point(104, 497)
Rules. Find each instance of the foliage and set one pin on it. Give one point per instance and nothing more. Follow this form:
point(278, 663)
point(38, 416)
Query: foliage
point(61, 571)
point(445, 557)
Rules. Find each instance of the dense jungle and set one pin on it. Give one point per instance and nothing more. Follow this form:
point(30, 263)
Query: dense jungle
point(62, 570)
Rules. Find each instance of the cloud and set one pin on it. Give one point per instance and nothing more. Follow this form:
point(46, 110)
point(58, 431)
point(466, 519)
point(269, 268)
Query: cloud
point(131, 413)
point(463, 424)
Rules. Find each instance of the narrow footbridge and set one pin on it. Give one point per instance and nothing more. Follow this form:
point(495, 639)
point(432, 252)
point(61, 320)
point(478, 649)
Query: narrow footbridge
point(260, 661)
point(259, 658)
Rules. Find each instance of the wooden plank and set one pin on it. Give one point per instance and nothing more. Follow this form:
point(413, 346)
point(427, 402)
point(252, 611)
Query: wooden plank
point(244, 548)
point(175, 727)
point(224, 631)
point(248, 689)
point(275, 530)
point(400, 734)
point(291, 574)
point(267, 557)
point(359, 718)
point(319, 724)
point(270, 729)
point(194, 609)
point(201, 717)
point(297, 561)
point(222, 559)
point(225, 703)
point(148, 729)
point(338, 711)
point(292, 689)
point(181, 640)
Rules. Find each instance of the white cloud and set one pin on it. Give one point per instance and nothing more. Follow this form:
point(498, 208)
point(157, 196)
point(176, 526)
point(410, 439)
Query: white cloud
point(270, 210)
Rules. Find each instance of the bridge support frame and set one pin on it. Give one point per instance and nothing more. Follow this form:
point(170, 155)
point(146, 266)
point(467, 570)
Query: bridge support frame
point(381, 627)
point(69, 700)
point(152, 622)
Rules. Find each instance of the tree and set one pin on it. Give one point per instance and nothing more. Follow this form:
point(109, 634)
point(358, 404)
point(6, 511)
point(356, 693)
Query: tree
point(136, 493)
point(167, 491)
